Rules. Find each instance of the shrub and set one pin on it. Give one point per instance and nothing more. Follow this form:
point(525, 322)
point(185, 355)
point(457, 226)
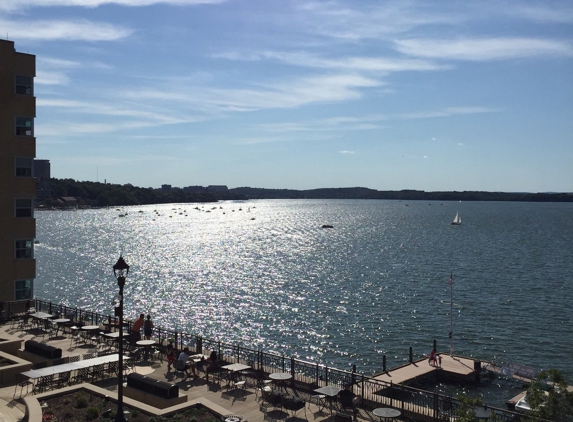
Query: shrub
point(92, 413)
point(81, 401)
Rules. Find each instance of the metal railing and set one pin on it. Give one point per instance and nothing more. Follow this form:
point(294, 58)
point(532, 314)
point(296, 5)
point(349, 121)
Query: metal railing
point(416, 404)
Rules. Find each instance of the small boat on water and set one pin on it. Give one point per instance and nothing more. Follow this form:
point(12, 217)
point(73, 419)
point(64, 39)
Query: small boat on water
point(327, 226)
point(457, 219)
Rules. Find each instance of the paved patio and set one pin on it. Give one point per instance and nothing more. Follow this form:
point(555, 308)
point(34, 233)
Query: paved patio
point(235, 401)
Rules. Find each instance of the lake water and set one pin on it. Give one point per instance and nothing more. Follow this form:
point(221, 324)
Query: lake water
point(267, 275)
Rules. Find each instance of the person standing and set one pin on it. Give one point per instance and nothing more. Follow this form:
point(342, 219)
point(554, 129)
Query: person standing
point(170, 353)
point(148, 328)
point(136, 327)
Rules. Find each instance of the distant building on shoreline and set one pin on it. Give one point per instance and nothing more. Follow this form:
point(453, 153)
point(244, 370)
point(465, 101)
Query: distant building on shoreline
point(17, 181)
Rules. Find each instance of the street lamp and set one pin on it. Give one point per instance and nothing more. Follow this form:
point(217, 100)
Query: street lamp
point(120, 271)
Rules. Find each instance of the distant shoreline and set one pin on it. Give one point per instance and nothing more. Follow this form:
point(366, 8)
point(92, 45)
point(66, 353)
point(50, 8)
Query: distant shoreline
point(68, 193)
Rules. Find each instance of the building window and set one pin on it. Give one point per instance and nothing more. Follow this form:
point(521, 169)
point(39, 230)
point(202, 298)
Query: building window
point(24, 166)
point(24, 85)
point(24, 126)
point(23, 289)
point(24, 208)
point(24, 249)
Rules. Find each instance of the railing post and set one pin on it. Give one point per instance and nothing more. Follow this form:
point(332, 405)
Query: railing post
point(383, 363)
point(411, 355)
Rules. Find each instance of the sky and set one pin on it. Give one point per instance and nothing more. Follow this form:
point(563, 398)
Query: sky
point(432, 95)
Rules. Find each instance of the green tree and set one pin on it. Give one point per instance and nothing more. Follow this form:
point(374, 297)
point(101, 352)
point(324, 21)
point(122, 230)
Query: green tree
point(549, 398)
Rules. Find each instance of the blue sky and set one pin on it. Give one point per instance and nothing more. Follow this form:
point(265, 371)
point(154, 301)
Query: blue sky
point(390, 95)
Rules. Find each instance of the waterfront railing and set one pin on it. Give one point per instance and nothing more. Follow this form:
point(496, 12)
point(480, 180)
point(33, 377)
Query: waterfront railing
point(416, 404)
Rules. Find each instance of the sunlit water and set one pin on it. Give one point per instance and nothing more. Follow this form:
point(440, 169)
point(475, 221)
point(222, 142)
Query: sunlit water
point(267, 275)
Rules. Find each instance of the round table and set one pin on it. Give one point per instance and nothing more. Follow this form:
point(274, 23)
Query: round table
point(61, 321)
point(146, 344)
point(90, 327)
point(280, 376)
point(386, 413)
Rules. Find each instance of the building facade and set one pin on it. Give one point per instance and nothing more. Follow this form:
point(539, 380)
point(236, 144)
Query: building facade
point(17, 181)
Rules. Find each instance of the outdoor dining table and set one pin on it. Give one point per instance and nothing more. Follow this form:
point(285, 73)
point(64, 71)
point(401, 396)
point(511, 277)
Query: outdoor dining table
point(280, 377)
point(234, 369)
point(147, 345)
point(88, 329)
point(60, 322)
point(330, 391)
point(386, 413)
point(40, 316)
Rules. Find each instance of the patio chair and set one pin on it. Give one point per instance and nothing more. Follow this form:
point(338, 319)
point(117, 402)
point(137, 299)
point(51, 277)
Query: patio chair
point(76, 338)
point(44, 384)
point(63, 379)
point(294, 405)
point(82, 375)
point(319, 400)
point(26, 383)
point(180, 368)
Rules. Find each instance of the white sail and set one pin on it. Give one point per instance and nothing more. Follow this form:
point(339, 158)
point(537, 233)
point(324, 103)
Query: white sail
point(457, 219)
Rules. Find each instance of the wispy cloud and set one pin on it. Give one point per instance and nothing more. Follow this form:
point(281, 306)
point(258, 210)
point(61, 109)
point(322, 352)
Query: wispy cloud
point(346, 152)
point(446, 112)
point(376, 21)
point(112, 113)
point(11, 5)
point(55, 30)
point(287, 94)
point(550, 13)
point(51, 78)
point(484, 49)
point(346, 63)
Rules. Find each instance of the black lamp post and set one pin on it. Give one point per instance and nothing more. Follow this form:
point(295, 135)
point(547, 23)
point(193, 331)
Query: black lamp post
point(120, 271)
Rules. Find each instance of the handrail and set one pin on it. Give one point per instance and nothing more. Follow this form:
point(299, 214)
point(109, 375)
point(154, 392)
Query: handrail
point(419, 405)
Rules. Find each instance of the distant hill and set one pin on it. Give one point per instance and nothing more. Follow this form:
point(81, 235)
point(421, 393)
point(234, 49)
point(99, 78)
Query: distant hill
point(95, 194)
point(365, 193)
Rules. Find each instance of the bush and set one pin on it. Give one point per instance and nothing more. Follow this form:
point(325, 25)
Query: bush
point(92, 413)
point(81, 401)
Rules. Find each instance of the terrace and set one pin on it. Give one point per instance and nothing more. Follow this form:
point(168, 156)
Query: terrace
point(248, 383)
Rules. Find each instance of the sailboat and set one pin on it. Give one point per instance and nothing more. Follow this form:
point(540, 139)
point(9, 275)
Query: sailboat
point(457, 219)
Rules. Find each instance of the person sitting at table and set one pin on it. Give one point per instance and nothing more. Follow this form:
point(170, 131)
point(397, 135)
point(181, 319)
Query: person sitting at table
point(184, 364)
point(347, 398)
point(136, 327)
point(212, 364)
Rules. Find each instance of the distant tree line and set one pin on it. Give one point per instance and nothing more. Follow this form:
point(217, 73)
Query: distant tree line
point(98, 194)
point(95, 194)
point(365, 193)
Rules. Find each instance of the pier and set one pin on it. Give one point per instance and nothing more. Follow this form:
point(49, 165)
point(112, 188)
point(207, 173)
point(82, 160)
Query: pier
point(459, 367)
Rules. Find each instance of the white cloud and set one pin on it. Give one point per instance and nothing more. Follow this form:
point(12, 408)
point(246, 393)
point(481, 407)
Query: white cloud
point(378, 21)
point(346, 152)
point(83, 30)
point(11, 5)
point(51, 78)
point(379, 64)
point(447, 112)
point(552, 13)
point(288, 94)
point(484, 49)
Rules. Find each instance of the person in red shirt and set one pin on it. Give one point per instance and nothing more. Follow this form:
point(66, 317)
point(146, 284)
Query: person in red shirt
point(136, 328)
